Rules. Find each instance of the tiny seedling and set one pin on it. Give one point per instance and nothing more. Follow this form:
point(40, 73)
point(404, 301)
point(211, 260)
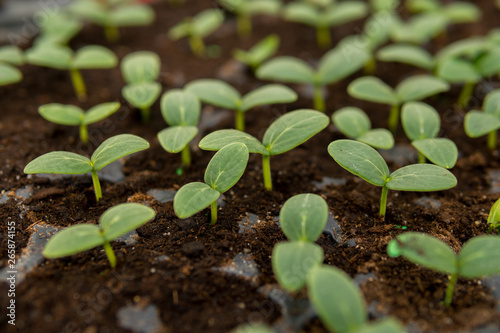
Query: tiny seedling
point(494, 217)
point(67, 163)
point(302, 219)
point(363, 161)
point(414, 88)
point(261, 51)
point(141, 70)
point(340, 306)
point(221, 94)
point(113, 223)
point(477, 258)
point(284, 134)
point(58, 28)
point(181, 110)
point(478, 123)
point(72, 115)
point(223, 171)
point(245, 9)
point(419, 29)
point(421, 124)
point(196, 28)
point(454, 13)
point(10, 56)
point(63, 58)
point(332, 67)
point(324, 16)
point(355, 124)
point(112, 15)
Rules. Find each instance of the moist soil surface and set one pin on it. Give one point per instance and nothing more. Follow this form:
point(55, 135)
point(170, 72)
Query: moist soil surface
point(171, 266)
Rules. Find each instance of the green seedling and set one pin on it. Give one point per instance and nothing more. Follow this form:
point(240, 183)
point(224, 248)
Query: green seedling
point(245, 9)
point(58, 28)
point(113, 223)
point(221, 94)
point(196, 28)
point(477, 258)
point(10, 56)
point(332, 67)
point(421, 124)
point(112, 15)
point(478, 123)
point(284, 134)
point(223, 171)
point(455, 12)
point(302, 218)
point(324, 16)
point(181, 110)
point(414, 88)
point(384, 5)
point(261, 51)
point(494, 217)
point(141, 71)
point(355, 124)
point(363, 161)
point(419, 29)
point(72, 115)
point(63, 58)
point(67, 163)
point(340, 306)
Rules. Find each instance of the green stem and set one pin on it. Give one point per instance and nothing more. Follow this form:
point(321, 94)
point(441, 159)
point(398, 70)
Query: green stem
point(421, 158)
point(240, 120)
point(492, 140)
point(319, 102)
point(394, 118)
point(111, 33)
point(197, 45)
point(323, 36)
point(266, 171)
point(370, 66)
point(213, 219)
point(449, 290)
point(383, 200)
point(145, 115)
point(84, 135)
point(186, 156)
point(110, 254)
point(465, 94)
point(244, 25)
point(78, 84)
point(97, 185)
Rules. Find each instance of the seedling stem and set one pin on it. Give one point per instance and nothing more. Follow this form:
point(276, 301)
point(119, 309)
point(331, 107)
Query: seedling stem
point(111, 33)
point(394, 118)
point(145, 114)
point(266, 170)
point(240, 121)
point(110, 254)
point(84, 135)
point(421, 158)
point(97, 185)
point(319, 102)
point(197, 45)
point(370, 66)
point(383, 200)
point(213, 219)
point(244, 26)
point(323, 36)
point(78, 84)
point(186, 156)
point(492, 140)
point(465, 94)
point(449, 290)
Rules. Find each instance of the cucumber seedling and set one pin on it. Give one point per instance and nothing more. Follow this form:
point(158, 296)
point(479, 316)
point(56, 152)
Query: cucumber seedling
point(181, 110)
point(421, 124)
point(414, 88)
point(454, 12)
point(260, 52)
point(221, 94)
point(196, 28)
point(332, 67)
point(141, 70)
point(494, 217)
point(113, 223)
point(477, 258)
point(363, 161)
point(58, 28)
point(287, 132)
point(10, 57)
point(67, 163)
point(478, 123)
point(72, 115)
point(223, 171)
point(355, 124)
point(64, 58)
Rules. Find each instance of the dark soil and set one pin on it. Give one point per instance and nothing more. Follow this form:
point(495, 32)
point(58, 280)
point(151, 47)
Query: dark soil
point(82, 294)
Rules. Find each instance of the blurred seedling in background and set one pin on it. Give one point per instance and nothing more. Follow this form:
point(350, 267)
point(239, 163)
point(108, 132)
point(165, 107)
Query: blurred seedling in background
point(259, 53)
point(58, 28)
point(478, 123)
point(10, 57)
point(494, 218)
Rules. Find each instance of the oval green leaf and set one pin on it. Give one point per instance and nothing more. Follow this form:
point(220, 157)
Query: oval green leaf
point(207, 22)
point(372, 89)
point(12, 55)
point(192, 198)
point(140, 66)
point(407, 54)
point(100, 112)
point(286, 69)
point(494, 215)
point(421, 178)
point(72, 240)
point(478, 123)
point(218, 139)
point(227, 166)
point(9, 74)
point(132, 15)
point(53, 56)
point(440, 151)
point(142, 95)
point(491, 103)
point(335, 65)
point(116, 147)
point(379, 138)
point(352, 122)
point(268, 94)
point(94, 57)
point(418, 87)
point(215, 92)
point(174, 139)
point(122, 218)
point(59, 162)
point(456, 70)
point(479, 257)
point(420, 121)
point(70, 115)
point(180, 108)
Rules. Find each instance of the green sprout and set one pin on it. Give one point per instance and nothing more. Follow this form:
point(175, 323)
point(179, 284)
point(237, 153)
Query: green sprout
point(141, 70)
point(72, 115)
point(478, 123)
point(287, 132)
point(181, 110)
point(196, 28)
point(113, 223)
point(10, 56)
point(455, 12)
point(302, 219)
point(355, 124)
point(421, 124)
point(494, 217)
point(414, 88)
point(340, 306)
point(259, 52)
point(245, 9)
point(58, 28)
point(221, 94)
point(223, 172)
point(384, 5)
point(324, 16)
point(112, 15)
point(332, 67)
point(419, 29)
point(63, 58)
point(363, 161)
point(67, 163)
point(477, 258)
